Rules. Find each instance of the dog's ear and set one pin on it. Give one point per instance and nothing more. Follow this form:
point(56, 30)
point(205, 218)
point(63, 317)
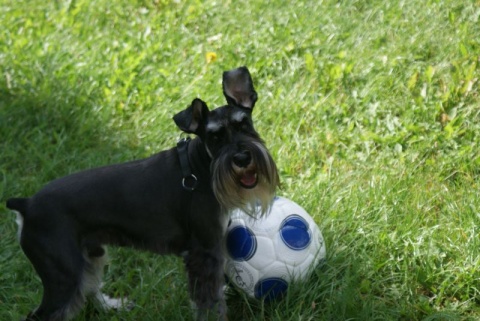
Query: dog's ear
point(238, 88)
point(190, 119)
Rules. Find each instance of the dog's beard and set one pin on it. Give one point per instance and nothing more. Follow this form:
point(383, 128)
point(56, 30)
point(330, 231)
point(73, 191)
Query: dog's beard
point(227, 181)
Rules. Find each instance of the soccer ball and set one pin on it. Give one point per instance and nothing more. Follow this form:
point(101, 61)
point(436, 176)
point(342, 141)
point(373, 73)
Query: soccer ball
point(265, 255)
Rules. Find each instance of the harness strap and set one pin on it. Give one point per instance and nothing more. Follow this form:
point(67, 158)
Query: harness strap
point(189, 181)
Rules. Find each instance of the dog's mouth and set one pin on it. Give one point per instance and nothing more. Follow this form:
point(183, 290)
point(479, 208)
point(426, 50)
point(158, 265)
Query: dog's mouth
point(248, 179)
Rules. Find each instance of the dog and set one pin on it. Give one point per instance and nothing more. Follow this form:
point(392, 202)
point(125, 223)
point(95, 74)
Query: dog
point(175, 202)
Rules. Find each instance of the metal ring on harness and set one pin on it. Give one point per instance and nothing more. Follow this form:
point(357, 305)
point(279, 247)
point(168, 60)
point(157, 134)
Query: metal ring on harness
point(193, 185)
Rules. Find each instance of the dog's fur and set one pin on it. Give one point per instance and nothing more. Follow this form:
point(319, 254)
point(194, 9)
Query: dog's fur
point(144, 204)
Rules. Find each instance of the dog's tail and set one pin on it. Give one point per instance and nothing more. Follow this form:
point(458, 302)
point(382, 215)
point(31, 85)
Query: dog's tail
point(18, 204)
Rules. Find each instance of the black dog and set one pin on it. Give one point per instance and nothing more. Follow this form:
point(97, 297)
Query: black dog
point(175, 202)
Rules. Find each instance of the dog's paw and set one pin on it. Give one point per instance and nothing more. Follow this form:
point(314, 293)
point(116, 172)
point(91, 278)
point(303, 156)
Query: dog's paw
point(109, 303)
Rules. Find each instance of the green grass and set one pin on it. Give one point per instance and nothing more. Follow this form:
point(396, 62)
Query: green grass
point(370, 108)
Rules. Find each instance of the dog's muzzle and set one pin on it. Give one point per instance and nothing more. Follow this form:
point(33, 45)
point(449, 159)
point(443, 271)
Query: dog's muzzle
point(245, 177)
point(245, 169)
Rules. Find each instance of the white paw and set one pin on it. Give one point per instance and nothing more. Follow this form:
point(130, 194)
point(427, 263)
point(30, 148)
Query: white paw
point(109, 303)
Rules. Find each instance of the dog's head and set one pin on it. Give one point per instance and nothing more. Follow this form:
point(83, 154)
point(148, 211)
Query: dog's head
point(244, 174)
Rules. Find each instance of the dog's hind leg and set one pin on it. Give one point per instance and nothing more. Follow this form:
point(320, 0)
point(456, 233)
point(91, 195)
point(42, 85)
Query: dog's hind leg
point(59, 262)
point(96, 259)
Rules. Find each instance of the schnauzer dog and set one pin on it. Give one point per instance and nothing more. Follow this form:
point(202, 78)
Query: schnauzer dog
point(174, 202)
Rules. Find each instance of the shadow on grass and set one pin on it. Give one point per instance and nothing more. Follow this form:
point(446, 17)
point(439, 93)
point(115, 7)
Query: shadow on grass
point(47, 131)
point(50, 132)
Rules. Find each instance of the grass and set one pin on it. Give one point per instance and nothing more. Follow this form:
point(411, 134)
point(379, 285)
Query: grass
point(371, 109)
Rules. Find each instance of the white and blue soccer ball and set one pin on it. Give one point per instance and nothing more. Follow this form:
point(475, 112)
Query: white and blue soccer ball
point(265, 255)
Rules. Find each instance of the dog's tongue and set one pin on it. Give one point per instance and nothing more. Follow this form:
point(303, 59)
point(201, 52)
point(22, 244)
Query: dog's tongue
point(249, 179)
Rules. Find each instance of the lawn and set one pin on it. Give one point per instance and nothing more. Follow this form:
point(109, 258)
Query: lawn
point(370, 108)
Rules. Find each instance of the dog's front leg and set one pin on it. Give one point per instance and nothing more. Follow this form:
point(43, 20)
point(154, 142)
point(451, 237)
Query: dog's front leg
point(205, 268)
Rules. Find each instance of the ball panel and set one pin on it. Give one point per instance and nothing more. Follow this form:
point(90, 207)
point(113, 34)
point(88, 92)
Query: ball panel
point(241, 243)
point(289, 256)
point(266, 253)
point(295, 232)
point(242, 276)
point(267, 225)
point(270, 288)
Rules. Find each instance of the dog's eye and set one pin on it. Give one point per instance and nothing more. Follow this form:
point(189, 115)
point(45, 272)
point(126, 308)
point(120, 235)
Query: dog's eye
point(241, 125)
point(218, 134)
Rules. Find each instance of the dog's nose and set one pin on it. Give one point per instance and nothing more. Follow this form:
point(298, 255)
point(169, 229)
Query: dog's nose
point(242, 159)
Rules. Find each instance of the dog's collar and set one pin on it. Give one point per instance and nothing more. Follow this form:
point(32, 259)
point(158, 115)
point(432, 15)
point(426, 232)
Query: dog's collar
point(189, 181)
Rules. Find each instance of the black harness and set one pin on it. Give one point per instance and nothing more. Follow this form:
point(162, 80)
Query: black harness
point(189, 180)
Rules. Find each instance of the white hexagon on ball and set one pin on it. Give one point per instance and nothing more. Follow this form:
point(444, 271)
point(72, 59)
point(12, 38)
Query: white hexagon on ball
point(265, 255)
